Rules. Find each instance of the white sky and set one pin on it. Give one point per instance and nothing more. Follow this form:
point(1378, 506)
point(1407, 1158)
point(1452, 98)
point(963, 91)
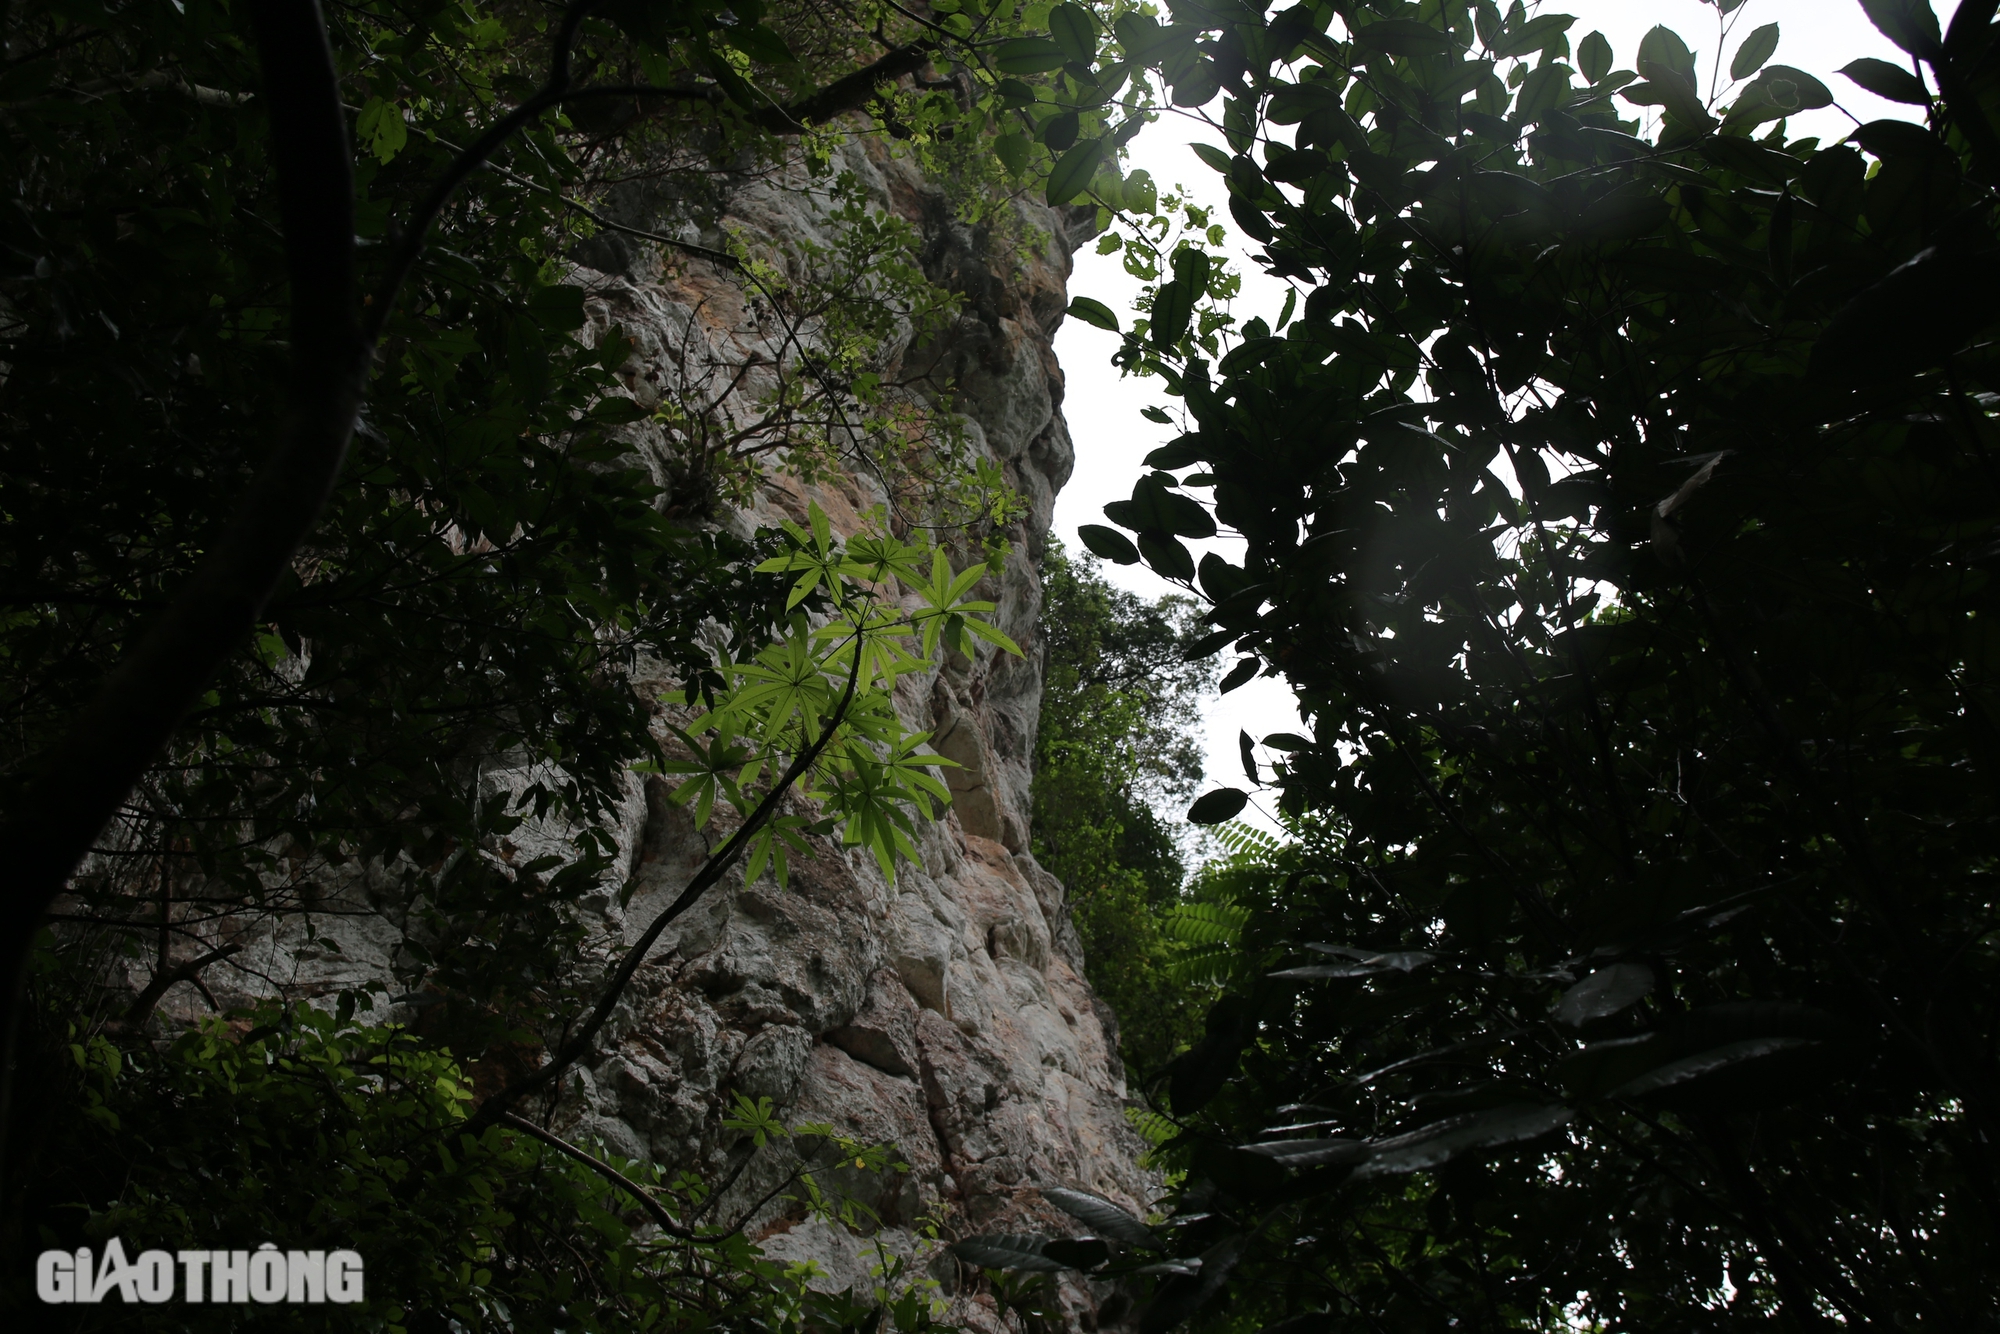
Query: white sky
point(1817, 36)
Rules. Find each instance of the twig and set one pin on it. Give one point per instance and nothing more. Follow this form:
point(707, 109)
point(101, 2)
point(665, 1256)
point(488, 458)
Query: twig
point(654, 1209)
point(712, 870)
point(164, 980)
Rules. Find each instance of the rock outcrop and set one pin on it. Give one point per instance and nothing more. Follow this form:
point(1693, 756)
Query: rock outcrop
point(944, 1014)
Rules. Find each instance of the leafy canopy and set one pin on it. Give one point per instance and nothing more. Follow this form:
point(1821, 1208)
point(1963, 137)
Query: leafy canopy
point(306, 1129)
point(519, 528)
point(1617, 485)
point(1117, 742)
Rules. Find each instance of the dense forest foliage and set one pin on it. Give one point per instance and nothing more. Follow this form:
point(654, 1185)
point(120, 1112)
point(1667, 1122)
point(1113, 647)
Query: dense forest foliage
point(319, 512)
point(1619, 498)
point(1119, 744)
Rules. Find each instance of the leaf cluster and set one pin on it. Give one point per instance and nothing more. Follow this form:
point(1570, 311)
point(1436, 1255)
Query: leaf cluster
point(1117, 743)
point(819, 704)
point(288, 1126)
point(1615, 482)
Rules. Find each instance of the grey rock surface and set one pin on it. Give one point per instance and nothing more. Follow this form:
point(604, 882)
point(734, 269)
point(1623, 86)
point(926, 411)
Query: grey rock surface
point(945, 1014)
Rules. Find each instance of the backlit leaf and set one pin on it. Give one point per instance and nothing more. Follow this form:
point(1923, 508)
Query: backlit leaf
point(1757, 48)
point(1224, 803)
point(1886, 80)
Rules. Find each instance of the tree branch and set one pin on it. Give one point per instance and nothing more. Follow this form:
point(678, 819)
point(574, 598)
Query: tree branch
point(712, 870)
point(163, 981)
point(63, 800)
point(661, 1218)
point(842, 95)
point(845, 94)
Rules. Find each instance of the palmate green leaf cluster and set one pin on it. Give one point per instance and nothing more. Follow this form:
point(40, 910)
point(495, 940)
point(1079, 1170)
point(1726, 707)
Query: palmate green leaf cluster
point(307, 1132)
point(824, 696)
point(1617, 485)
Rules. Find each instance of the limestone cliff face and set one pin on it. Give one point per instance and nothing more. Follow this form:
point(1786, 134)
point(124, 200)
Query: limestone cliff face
point(945, 1014)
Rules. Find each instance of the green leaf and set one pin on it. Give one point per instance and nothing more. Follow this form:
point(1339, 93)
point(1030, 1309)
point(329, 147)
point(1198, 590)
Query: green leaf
point(1093, 312)
point(1360, 963)
point(1059, 131)
point(1250, 219)
point(1536, 35)
point(1154, 508)
point(1101, 1216)
point(1900, 138)
point(1013, 151)
point(1145, 40)
point(1404, 37)
point(1198, 86)
point(1108, 543)
point(1075, 31)
point(1703, 1064)
point(1435, 1145)
point(1604, 992)
point(1173, 307)
point(1662, 49)
point(1224, 803)
point(1008, 1250)
point(1242, 671)
point(1140, 194)
point(1192, 266)
point(1167, 556)
point(1545, 88)
point(1910, 24)
point(1028, 55)
point(1593, 56)
point(1073, 171)
point(737, 88)
point(381, 129)
point(1885, 80)
point(1299, 1153)
point(1755, 50)
point(1792, 90)
point(1680, 102)
point(1216, 159)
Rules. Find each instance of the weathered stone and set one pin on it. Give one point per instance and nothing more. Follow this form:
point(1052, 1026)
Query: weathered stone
point(944, 1015)
point(884, 1034)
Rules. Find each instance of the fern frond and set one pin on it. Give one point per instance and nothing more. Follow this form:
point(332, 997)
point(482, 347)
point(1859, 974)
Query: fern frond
point(1202, 965)
point(1152, 1127)
point(1205, 923)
